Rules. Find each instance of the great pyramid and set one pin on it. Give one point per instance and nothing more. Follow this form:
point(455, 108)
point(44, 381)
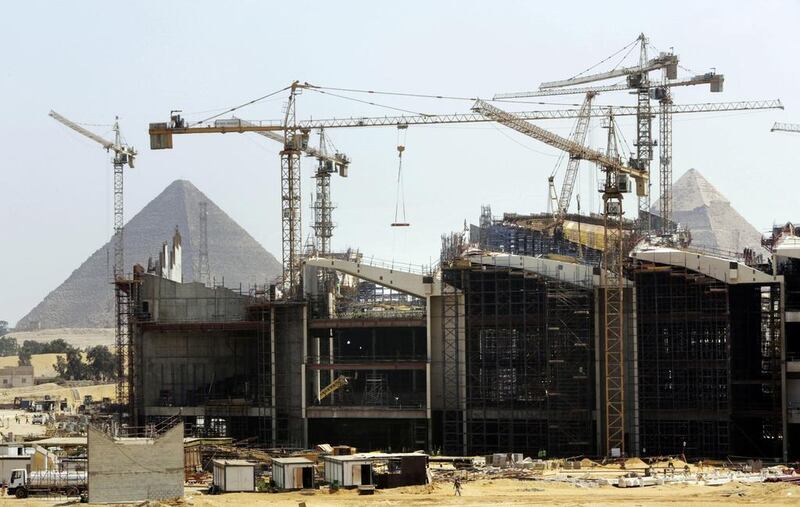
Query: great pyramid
point(713, 223)
point(85, 299)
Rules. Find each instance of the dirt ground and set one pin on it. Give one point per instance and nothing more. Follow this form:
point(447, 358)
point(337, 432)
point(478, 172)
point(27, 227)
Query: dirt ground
point(77, 337)
point(19, 422)
point(500, 492)
point(73, 395)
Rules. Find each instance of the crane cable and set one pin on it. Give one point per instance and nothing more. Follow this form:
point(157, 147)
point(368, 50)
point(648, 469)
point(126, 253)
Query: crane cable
point(234, 108)
point(425, 96)
point(400, 196)
point(605, 59)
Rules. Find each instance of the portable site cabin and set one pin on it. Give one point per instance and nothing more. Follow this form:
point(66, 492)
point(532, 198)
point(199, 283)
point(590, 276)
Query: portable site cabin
point(234, 475)
point(400, 469)
point(293, 473)
point(348, 471)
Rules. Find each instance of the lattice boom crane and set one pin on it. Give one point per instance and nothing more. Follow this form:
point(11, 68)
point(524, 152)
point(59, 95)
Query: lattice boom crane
point(123, 155)
point(295, 138)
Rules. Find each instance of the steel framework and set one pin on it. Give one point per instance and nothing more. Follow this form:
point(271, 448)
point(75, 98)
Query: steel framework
point(291, 213)
point(665, 155)
point(644, 135)
point(613, 287)
point(453, 437)
point(709, 364)
point(529, 361)
point(571, 172)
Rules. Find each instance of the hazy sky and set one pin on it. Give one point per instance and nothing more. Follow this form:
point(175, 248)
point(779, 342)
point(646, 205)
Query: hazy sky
point(93, 60)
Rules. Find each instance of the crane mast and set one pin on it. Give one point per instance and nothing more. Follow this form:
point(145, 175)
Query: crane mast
point(322, 205)
point(326, 165)
point(294, 141)
point(612, 281)
point(665, 153)
point(644, 124)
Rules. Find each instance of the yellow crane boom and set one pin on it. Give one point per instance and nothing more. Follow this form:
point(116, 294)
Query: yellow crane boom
point(337, 384)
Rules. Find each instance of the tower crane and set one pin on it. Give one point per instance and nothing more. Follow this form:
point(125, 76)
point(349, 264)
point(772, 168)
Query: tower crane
point(638, 80)
point(612, 276)
point(785, 127)
point(295, 136)
point(123, 155)
point(578, 137)
point(327, 165)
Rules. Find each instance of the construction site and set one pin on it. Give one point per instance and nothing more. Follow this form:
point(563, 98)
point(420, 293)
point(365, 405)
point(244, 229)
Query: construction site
point(578, 349)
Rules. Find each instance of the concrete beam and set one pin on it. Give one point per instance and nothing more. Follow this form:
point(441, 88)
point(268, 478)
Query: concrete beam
point(724, 270)
point(371, 365)
point(368, 322)
point(401, 281)
point(323, 412)
point(578, 274)
point(787, 246)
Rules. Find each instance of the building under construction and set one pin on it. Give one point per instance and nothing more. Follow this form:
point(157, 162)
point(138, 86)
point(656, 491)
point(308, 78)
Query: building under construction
point(497, 350)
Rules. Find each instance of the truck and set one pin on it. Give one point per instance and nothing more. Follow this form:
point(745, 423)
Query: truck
point(47, 482)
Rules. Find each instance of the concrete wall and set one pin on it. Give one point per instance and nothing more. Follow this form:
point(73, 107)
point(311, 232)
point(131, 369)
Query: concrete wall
point(169, 301)
point(291, 349)
point(132, 470)
point(185, 362)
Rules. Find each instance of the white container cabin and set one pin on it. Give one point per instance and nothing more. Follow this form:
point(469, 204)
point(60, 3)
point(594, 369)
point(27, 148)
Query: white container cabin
point(234, 475)
point(348, 470)
point(293, 473)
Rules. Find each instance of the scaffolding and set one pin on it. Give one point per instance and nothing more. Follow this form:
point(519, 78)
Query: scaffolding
point(123, 303)
point(453, 417)
point(265, 386)
point(529, 361)
point(708, 363)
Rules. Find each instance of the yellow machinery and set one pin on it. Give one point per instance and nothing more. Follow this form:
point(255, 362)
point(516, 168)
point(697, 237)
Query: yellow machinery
point(326, 391)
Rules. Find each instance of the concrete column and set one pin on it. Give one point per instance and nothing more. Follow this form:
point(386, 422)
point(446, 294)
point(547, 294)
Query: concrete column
point(317, 354)
point(413, 355)
point(784, 393)
point(428, 415)
point(598, 379)
point(303, 400)
point(634, 424)
point(332, 374)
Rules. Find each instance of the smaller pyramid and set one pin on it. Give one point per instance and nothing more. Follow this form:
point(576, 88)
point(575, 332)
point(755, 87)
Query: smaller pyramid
point(709, 216)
